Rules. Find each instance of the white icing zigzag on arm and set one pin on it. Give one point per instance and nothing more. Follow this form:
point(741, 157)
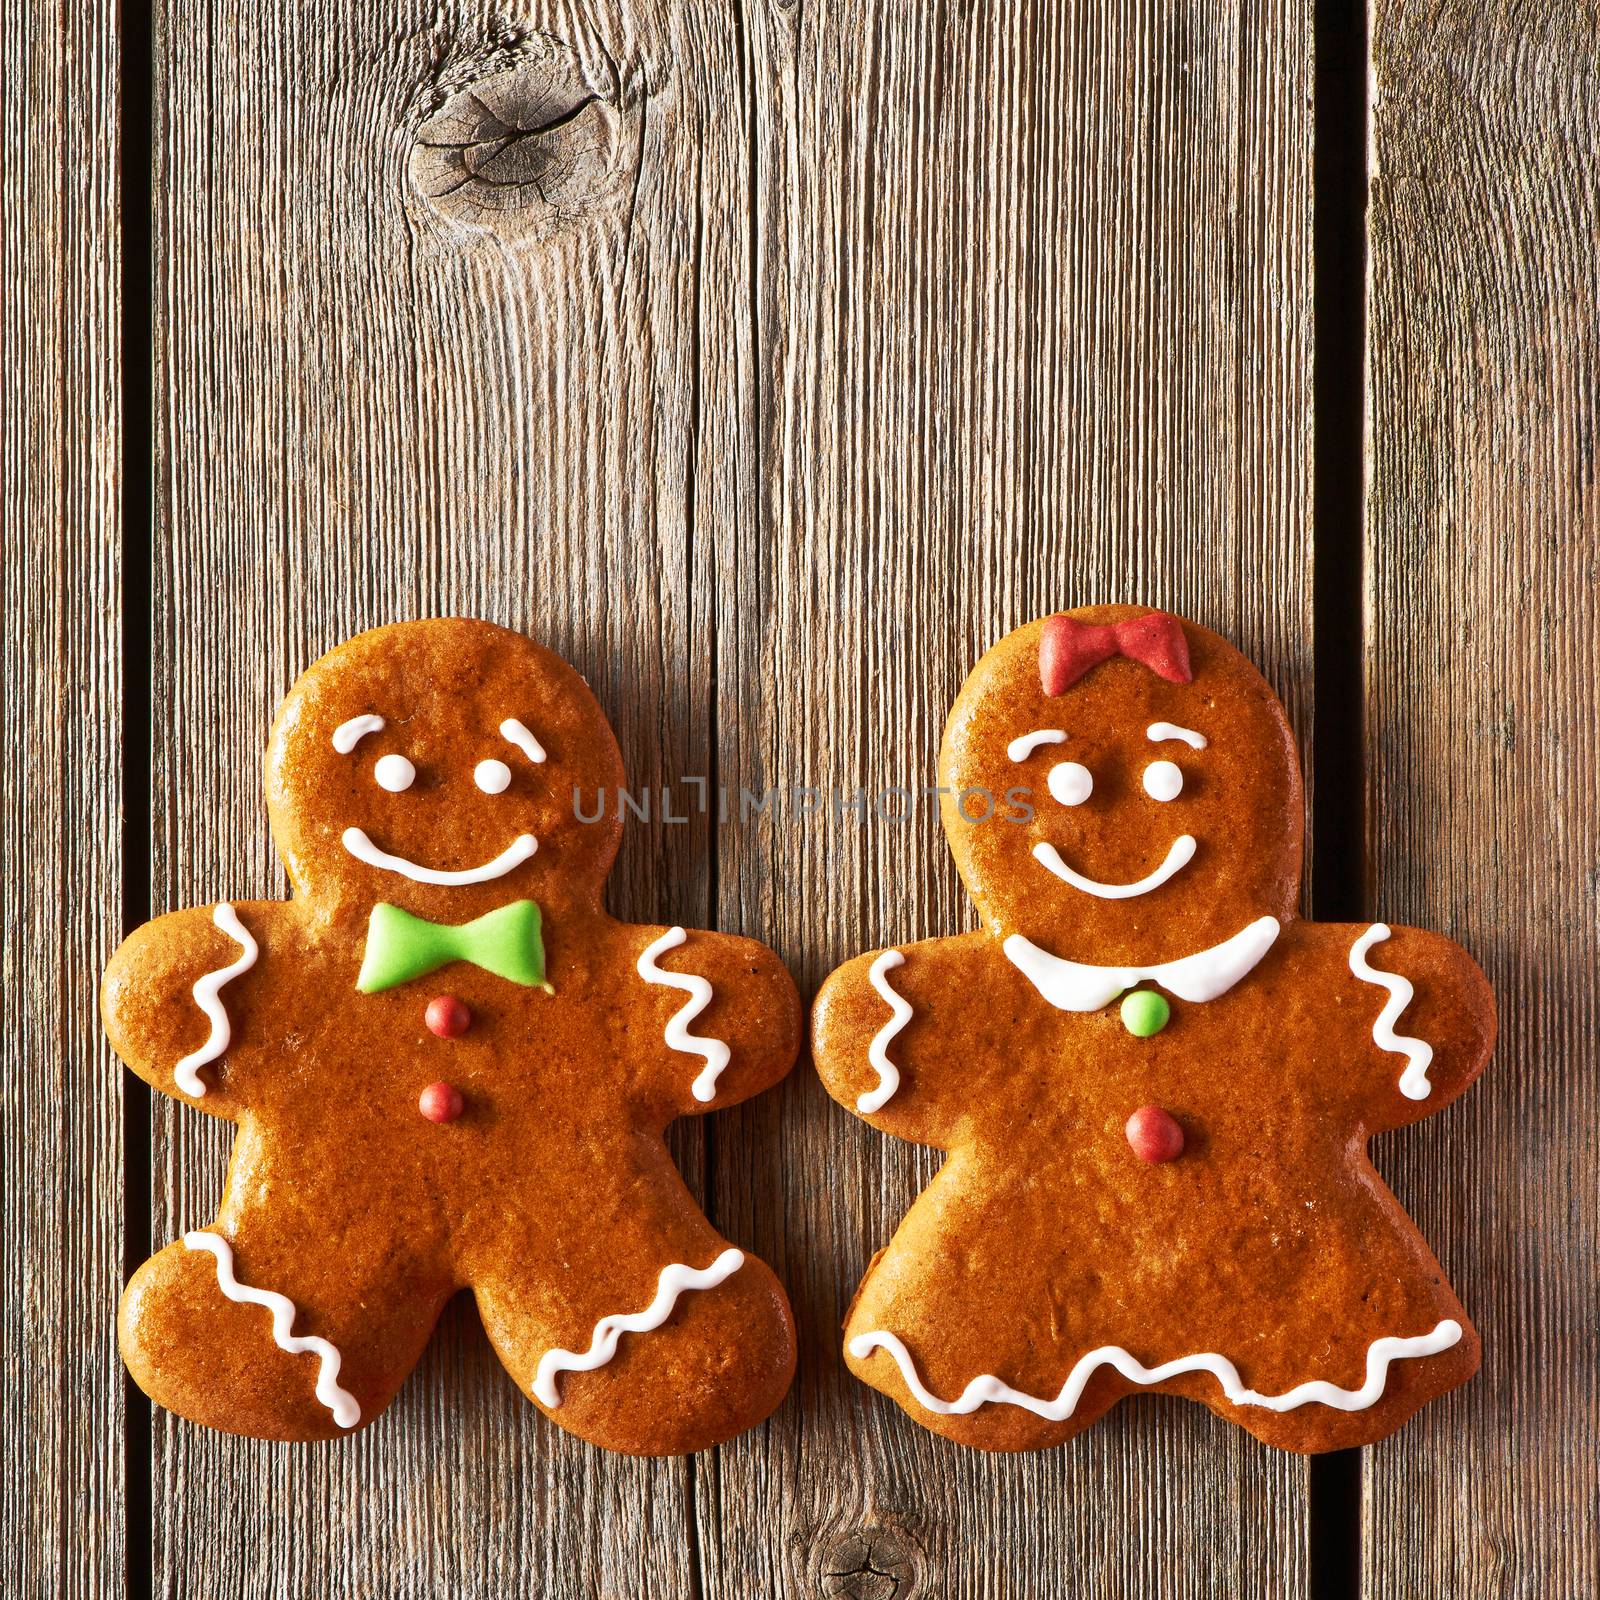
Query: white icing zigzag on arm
point(346, 1411)
point(608, 1330)
point(878, 1050)
point(1414, 1083)
point(987, 1388)
point(207, 994)
point(678, 1036)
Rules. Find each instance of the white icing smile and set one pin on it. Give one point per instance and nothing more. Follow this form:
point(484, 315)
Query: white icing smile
point(363, 849)
point(1178, 857)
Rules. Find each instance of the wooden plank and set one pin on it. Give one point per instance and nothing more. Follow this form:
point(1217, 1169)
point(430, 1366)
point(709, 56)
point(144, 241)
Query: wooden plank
point(1035, 321)
point(373, 411)
point(1483, 557)
point(62, 1116)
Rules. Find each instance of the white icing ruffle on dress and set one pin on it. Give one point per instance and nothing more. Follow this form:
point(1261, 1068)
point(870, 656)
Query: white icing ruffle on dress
point(987, 1389)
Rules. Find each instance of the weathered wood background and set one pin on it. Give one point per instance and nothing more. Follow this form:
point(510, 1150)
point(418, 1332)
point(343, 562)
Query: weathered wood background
point(810, 349)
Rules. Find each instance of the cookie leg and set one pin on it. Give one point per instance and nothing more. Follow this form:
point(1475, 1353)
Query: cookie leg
point(1402, 1387)
point(254, 1330)
point(958, 1325)
point(996, 1424)
point(664, 1361)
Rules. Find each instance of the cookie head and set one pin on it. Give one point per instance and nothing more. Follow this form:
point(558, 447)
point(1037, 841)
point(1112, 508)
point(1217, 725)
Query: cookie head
point(433, 765)
point(1160, 772)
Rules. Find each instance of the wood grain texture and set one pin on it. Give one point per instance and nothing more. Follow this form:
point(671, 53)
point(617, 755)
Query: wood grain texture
point(913, 324)
point(1484, 571)
point(61, 581)
point(1034, 321)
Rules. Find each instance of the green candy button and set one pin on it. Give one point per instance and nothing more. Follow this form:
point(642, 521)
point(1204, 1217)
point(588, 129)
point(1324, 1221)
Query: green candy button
point(1144, 1012)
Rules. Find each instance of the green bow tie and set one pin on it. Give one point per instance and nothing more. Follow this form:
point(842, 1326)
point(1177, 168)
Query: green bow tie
point(401, 947)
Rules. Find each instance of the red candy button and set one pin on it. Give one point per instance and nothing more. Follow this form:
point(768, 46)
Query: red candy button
point(441, 1102)
point(1154, 1135)
point(447, 1016)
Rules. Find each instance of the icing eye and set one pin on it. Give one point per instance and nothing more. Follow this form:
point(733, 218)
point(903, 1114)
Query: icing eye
point(1071, 783)
point(1163, 780)
point(394, 773)
point(493, 777)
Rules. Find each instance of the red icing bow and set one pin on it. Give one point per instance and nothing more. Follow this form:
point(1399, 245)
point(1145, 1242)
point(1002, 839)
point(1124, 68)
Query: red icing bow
point(1069, 648)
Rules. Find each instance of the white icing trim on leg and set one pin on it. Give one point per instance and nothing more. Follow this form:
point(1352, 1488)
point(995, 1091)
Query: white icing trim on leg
point(207, 995)
point(1414, 1083)
point(987, 1388)
point(678, 1037)
point(343, 1405)
point(878, 1050)
point(608, 1330)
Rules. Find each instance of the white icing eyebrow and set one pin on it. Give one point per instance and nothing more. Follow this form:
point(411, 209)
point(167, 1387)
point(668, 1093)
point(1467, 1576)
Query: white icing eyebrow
point(1157, 731)
point(520, 736)
point(349, 734)
point(1022, 747)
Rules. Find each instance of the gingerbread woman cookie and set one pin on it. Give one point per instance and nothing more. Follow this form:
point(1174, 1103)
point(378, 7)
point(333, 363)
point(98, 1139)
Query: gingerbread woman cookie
point(450, 1068)
point(1155, 1081)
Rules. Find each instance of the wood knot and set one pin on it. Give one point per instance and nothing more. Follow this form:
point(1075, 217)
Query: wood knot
point(879, 1562)
point(532, 145)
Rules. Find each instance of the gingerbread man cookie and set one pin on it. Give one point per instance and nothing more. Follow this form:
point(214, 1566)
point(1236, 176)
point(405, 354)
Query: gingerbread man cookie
point(450, 1068)
point(1155, 1081)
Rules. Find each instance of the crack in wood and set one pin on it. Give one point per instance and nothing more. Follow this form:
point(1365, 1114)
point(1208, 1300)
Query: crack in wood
point(527, 145)
point(874, 1563)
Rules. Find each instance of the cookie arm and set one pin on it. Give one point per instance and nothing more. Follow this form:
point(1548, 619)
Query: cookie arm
point(729, 1016)
point(1428, 1018)
point(170, 1000)
point(879, 1051)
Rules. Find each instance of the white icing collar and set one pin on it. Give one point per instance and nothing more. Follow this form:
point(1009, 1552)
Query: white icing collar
point(1077, 986)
